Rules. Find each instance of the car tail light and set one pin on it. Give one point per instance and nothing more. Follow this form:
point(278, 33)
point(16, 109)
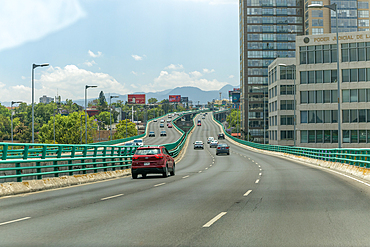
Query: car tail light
point(135, 158)
point(227, 147)
point(159, 156)
point(218, 148)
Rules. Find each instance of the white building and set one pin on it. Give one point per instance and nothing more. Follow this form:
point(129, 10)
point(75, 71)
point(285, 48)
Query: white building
point(316, 96)
point(46, 100)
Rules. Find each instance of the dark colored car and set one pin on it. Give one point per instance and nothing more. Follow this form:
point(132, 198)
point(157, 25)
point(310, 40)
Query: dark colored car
point(163, 133)
point(221, 136)
point(151, 134)
point(223, 148)
point(152, 160)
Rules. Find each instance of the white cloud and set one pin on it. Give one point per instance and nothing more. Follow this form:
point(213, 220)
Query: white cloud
point(23, 77)
point(90, 63)
point(133, 72)
point(231, 76)
point(92, 54)
point(207, 71)
point(173, 66)
point(70, 82)
point(167, 80)
point(133, 86)
point(23, 21)
point(137, 57)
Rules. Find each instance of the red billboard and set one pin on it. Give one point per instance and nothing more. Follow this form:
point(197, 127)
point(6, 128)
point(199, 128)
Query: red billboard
point(136, 99)
point(174, 98)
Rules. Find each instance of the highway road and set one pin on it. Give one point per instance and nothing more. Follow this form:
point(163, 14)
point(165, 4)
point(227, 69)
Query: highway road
point(172, 133)
point(245, 199)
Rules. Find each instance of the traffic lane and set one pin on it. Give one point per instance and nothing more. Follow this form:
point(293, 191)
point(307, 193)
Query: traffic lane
point(172, 134)
point(306, 192)
point(294, 205)
point(165, 215)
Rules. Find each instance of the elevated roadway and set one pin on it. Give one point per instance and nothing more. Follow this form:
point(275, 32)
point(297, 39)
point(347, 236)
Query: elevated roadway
point(245, 199)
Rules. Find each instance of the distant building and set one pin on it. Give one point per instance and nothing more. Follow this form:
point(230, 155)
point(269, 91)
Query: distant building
point(46, 100)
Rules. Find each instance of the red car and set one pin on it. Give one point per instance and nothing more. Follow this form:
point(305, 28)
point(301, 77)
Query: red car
point(199, 124)
point(169, 125)
point(154, 159)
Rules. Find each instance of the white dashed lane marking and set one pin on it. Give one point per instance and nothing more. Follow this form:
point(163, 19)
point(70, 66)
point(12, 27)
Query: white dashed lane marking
point(212, 221)
point(247, 193)
point(186, 176)
point(13, 221)
point(257, 181)
point(159, 184)
point(110, 197)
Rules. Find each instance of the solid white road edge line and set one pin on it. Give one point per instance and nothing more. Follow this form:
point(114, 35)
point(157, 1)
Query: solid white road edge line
point(257, 181)
point(209, 223)
point(159, 184)
point(110, 197)
point(12, 221)
point(247, 193)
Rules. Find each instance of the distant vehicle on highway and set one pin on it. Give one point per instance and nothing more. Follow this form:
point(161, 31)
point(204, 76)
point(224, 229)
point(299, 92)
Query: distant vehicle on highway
point(155, 120)
point(213, 144)
point(223, 148)
point(169, 116)
point(152, 160)
point(169, 125)
point(162, 121)
point(139, 142)
point(198, 144)
point(163, 133)
point(199, 124)
point(169, 120)
point(203, 117)
point(161, 125)
point(129, 144)
point(221, 136)
point(151, 134)
point(210, 139)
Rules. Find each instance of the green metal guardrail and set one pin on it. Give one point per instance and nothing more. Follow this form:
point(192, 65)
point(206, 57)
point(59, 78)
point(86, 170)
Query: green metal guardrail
point(63, 159)
point(357, 157)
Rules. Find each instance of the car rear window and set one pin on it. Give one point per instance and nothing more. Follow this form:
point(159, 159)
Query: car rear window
point(148, 151)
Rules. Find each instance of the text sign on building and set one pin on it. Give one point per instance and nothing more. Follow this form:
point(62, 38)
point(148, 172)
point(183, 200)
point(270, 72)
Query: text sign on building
point(136, 99)
point(174, 98)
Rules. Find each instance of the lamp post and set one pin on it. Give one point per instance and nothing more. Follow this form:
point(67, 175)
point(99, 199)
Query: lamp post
point(110, 113)
point(11, 116)
point(294, 103)
point(86, 87)
point(334, 7)
point(126, 122)
point(33, 98)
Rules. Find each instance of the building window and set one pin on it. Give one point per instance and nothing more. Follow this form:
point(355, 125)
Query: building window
point(317, 31)
point(363, 5)
point(317, 22)
point(317, 13)
point(304, 136)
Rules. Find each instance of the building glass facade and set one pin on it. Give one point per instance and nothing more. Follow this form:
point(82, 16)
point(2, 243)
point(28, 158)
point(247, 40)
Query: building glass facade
point(267, 30)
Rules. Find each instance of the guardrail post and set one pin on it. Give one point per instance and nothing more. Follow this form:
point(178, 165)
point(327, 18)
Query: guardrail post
point(5, 151)
point(112, 159)
point(18, 172)
point(38, 170)
point(94, 160)
point(70, 162)
point(25, 151)
point(83, 161)
point(104, 159)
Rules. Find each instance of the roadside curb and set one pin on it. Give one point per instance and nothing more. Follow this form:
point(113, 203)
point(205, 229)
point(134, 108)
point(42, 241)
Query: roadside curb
point(360, 172)
point(14, 188)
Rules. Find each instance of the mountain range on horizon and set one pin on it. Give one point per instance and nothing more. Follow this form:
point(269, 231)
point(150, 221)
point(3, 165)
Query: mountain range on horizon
point(194, 94)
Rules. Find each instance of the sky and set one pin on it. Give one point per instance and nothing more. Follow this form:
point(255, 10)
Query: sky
point(121, 46)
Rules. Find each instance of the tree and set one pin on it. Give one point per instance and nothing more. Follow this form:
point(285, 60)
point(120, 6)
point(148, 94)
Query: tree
point(121, 130)
point(68, 129)
point(152, 101)
point(104, 118)
point(102, 104)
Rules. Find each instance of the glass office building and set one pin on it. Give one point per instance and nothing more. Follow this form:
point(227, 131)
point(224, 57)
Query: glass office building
point(353, 16)
point(267, 30)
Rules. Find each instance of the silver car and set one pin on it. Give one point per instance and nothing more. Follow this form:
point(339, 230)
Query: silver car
point(213, 144)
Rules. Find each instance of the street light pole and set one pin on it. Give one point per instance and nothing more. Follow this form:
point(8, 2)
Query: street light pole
point(11, 115)
point(334, 7)
point(86, 87)
point(34, 66)
point(110, 113)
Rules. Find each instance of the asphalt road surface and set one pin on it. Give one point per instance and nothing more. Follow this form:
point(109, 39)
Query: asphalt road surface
point(245, 199)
